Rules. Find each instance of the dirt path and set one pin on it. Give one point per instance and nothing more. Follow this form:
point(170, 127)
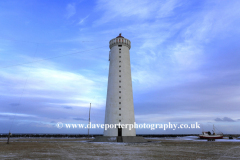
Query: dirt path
point(81, 149)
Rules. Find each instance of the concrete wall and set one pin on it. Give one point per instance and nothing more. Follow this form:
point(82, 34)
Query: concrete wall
point(119, 66)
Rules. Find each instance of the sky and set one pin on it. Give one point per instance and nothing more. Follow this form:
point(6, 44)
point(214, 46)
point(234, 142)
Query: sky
point(185, 63)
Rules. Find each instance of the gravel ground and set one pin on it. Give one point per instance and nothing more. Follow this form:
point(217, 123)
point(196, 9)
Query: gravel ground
point(158, 148)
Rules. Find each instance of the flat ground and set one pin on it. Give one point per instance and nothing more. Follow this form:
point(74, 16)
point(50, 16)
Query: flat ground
point(159, 148)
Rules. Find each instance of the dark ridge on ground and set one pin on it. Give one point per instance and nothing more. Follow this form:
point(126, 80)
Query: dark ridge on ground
point(94, 135)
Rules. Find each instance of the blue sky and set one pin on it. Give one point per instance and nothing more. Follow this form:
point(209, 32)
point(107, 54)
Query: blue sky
point(185, 61)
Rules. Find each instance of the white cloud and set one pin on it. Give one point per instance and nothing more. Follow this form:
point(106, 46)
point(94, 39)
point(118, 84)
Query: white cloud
point(70, 89)
point(166, 8)
point(142, 9)
point(71, 10)
point(186, 56)
point(164, 51)
point(77, 104)
point(82, 20)
point(16, 114)
point(174, 117)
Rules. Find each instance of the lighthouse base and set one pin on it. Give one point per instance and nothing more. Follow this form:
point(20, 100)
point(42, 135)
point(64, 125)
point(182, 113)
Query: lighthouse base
point(125, 139)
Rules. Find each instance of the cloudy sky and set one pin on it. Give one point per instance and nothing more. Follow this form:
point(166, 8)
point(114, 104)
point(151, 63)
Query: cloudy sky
point(185, 61)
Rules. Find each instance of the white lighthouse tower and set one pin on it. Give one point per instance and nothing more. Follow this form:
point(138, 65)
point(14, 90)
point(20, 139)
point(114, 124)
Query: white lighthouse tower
point(119, 105)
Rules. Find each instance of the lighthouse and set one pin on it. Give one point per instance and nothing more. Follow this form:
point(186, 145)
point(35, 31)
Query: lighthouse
point(119, 113)
point(119, 103)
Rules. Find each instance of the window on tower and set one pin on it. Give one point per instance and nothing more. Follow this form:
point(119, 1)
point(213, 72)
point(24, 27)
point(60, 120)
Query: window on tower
point(119, 45)
point(119, 102)
point(119, 114)
point(119, 91)
point(119, 108)
point(119, 86)
point(119, 120)
point(119, 81)
point(119, 75)
point(119, 70)
point(119, 56)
